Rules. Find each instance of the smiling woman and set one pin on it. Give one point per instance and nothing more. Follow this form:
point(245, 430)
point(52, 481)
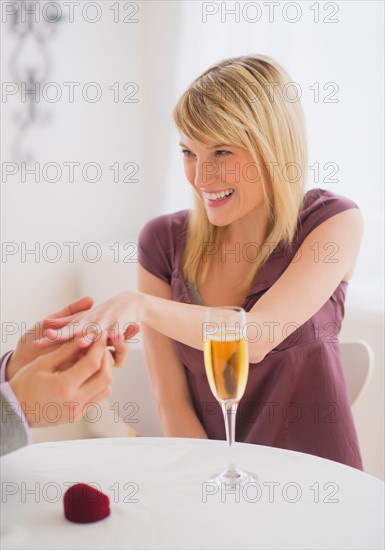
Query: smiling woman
point(245, 157)
point(242, 102)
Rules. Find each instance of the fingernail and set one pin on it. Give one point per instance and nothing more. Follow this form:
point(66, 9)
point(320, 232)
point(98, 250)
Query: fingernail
point(83, 343)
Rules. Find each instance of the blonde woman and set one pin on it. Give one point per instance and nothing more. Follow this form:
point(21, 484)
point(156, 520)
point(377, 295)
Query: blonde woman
point(254, 239)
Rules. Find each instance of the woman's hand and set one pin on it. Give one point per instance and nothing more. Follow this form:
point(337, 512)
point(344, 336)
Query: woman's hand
point(117, 316)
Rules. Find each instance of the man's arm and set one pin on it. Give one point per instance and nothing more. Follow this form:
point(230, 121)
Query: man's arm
point(13, 430)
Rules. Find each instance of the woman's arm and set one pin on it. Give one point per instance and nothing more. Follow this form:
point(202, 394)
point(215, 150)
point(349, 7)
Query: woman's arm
point(296, 296)
point(168, 378)
point(326, 257)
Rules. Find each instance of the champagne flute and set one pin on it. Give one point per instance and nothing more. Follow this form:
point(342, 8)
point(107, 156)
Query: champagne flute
point(226, 360)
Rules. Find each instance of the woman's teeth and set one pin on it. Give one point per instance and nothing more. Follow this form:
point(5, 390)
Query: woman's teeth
point(218, 196)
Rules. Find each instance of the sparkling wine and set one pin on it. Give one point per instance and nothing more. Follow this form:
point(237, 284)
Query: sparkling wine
point(227, 366)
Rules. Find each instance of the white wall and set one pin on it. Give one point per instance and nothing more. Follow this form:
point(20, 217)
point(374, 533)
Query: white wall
point(104, 132)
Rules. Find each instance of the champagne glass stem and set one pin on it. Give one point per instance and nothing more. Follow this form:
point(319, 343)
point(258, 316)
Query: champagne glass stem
point(229, 412)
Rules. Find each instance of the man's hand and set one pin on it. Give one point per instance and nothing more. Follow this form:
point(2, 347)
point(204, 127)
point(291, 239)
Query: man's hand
point(44, 386)
point(119, 349)
point(26, 351)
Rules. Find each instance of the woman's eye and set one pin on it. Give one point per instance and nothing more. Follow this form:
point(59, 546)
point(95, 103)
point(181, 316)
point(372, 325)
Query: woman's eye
point(219, 153)
point(186, 153)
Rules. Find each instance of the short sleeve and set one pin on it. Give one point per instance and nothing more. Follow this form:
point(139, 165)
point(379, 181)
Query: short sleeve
point(320, 205)
point(154, 248)
point(161, 242)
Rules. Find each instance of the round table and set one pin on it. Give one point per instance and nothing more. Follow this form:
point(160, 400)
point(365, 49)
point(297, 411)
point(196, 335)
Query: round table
point(160, 498)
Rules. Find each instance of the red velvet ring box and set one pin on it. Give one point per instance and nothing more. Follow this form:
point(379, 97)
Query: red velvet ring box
point(85, 504)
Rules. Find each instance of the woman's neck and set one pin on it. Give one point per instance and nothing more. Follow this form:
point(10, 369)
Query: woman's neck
point(252, 228)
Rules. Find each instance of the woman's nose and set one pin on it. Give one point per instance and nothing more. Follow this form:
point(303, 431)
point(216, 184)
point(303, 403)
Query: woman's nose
point(206, 173)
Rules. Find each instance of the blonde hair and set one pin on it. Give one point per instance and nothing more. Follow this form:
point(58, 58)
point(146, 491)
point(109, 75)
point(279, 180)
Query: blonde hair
point(245, 101)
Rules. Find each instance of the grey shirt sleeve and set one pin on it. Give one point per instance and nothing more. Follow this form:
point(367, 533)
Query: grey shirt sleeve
point(13, 428)
point(13, 433)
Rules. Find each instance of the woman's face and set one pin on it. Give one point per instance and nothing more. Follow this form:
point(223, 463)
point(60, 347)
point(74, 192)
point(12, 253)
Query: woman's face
point(226, 179)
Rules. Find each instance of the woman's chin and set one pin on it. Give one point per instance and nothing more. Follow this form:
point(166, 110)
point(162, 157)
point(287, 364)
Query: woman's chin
point(218, 221)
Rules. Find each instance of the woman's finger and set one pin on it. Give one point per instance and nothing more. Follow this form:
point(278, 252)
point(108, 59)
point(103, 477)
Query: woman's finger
point(82, 304)
point(131, 331)
point(50, 322)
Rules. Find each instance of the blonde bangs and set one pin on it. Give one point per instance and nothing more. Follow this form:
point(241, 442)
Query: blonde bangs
point(200, 116)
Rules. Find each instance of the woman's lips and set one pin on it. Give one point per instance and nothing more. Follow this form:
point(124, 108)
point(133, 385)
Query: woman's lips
point(218, 202)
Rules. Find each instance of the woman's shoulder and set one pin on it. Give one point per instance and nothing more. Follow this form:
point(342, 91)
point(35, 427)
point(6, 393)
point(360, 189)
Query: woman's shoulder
point(160, 242)
point(319, 205)
point(164, 225)
point(167, 222)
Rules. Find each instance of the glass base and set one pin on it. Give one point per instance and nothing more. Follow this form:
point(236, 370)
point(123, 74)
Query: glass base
point(233, 478)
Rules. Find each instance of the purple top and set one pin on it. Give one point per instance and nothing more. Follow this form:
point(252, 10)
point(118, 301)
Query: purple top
point(296, 397)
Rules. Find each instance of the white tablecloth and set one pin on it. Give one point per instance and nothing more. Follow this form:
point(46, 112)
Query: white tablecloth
point(159, 498)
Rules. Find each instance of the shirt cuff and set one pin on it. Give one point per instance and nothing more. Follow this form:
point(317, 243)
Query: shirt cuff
point(3, 368)
point(9, 395)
